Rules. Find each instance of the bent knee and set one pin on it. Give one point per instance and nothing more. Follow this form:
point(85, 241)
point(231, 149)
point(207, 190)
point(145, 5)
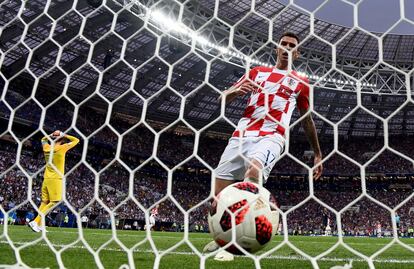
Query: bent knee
point(255, 165)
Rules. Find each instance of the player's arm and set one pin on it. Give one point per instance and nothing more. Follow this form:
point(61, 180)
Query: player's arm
point(311, 134)
point(310, 131)
point(45, 142)
point(240, 88)
point(73, 141)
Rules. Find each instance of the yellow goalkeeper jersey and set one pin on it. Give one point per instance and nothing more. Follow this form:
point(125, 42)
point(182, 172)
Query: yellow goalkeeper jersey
point(58, 158)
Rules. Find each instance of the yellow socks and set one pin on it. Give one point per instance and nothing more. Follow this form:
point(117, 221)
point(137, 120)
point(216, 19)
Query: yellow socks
point(44, 208)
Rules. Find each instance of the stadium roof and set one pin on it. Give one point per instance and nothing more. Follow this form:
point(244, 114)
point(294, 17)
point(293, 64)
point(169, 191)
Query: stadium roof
point(126, 59)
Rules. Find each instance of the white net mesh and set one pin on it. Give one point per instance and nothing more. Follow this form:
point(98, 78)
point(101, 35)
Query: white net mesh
point(138, 83)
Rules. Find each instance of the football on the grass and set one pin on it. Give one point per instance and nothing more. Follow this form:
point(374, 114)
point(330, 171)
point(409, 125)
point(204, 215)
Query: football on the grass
point(255, 217)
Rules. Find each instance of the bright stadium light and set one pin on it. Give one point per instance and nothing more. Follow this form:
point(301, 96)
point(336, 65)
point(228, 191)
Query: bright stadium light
point(302, 74)
point(224, 50)
point(170, 25)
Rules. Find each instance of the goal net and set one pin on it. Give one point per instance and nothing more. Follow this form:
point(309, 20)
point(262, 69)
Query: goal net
point(139, 83)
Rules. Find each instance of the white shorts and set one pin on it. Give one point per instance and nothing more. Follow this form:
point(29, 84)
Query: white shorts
point(239, 152)
point(151, 220)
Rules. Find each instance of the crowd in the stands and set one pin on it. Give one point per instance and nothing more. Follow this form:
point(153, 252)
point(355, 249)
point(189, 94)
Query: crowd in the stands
point(125, 176)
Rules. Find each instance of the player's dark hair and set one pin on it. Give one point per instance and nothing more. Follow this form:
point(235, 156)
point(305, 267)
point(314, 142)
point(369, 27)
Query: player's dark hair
point(290, 34)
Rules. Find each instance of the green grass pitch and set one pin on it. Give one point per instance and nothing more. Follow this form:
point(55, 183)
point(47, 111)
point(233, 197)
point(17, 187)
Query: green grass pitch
point(36, 252)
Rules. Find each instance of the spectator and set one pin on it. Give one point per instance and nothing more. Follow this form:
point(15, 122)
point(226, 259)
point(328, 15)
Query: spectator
point(84, 221)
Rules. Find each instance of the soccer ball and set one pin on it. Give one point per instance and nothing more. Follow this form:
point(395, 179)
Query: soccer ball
point(255, 215)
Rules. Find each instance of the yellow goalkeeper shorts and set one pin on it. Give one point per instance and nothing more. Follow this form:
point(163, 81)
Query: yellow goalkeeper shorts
point(52, 189)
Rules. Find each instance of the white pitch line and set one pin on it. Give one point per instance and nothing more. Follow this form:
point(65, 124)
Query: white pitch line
point(270, 257)
point(199, 238)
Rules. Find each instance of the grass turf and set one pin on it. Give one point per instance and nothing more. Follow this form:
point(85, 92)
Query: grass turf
point(109, 252)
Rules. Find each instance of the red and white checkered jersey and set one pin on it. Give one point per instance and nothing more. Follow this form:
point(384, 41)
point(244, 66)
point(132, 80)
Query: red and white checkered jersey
point(284, 91)
point(154, 211)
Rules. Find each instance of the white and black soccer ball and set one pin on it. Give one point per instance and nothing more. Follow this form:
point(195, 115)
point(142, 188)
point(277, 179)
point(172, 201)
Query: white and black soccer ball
point(255, 214)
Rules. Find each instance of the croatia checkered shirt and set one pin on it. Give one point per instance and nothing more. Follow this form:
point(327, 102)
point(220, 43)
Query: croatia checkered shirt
point(271, 105)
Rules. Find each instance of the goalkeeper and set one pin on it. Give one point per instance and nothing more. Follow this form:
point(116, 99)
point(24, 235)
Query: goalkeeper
point(54, 171)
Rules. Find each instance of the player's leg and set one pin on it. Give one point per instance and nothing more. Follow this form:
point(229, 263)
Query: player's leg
point(151, 222)
point(212, 245)
point(55, 194)
point(231, 168)
point(42, 208)
point(254, 172)
point(54, 189)
point(328, 230)
point(263, 154)
point(221, 184)
point(36, 223)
